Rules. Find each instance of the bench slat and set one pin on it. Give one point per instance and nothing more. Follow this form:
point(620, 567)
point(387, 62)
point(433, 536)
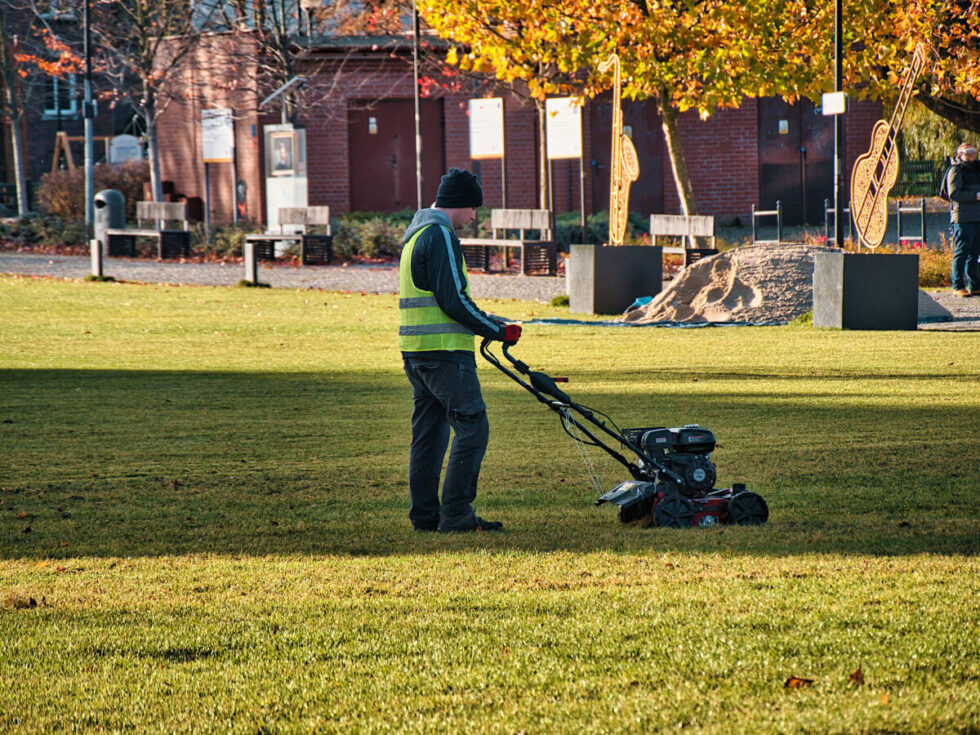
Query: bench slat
point(134, 233)
point(678, 224)
point(292, 215)
point(520, 219)
point(161, 210)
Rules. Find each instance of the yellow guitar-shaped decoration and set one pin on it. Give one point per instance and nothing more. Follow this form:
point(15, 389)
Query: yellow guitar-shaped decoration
point(875, 172)
point(624, 167)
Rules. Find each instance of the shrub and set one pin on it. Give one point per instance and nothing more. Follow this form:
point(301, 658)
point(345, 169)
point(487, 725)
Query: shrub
point(44, 232)
point(568, 229)
point(380, 238)
point(370, 234)
point(62, 193)
point(227, 240)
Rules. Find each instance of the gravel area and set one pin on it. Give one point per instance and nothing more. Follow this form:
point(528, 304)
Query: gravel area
point(938, 309)
point(367, 278)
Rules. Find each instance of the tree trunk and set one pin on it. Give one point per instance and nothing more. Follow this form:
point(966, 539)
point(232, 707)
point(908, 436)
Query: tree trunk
point(544, 191)
point(153, 146)
point(675, 152)
point(15, 115)
point(17, 146)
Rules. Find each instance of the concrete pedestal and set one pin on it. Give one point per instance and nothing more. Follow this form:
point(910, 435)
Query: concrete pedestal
point(859, 291)
point(605, 280)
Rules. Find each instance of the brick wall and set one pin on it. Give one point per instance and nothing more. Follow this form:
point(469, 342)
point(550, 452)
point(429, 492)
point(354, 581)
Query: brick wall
point(722, 155)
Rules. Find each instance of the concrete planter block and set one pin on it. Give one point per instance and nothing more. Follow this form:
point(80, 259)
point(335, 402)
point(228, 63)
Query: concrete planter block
point(865, 291)
point(605, 280)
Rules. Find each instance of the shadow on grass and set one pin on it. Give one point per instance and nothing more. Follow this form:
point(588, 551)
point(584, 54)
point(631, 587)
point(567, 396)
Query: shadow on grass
point(117, 464)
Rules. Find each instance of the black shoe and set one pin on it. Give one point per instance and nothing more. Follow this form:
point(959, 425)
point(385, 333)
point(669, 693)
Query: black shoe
point(479, 525)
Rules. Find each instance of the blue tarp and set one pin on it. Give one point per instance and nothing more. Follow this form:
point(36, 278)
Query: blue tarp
point(678, 325)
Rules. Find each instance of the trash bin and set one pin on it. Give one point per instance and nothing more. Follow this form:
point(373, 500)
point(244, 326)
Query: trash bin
point(110, 213)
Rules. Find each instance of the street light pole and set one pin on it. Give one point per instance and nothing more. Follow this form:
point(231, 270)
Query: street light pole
point(838, 127)
point(418, 106)
point(88, 114)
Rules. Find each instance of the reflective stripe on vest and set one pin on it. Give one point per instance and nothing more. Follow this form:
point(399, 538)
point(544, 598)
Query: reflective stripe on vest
point(424, 326)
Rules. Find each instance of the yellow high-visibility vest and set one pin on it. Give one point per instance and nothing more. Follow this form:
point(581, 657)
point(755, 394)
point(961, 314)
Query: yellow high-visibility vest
point(424, 326)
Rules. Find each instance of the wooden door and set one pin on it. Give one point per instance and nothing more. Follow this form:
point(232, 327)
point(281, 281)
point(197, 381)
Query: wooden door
point(381, 141)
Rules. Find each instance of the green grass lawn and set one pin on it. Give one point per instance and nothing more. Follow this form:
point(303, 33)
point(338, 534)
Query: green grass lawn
point(203, 528)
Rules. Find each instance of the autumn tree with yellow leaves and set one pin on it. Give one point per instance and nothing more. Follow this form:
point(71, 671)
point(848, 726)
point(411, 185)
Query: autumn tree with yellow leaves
point(709, 54)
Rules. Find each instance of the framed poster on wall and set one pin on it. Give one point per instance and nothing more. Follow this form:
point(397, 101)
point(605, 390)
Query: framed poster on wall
point(282, 154)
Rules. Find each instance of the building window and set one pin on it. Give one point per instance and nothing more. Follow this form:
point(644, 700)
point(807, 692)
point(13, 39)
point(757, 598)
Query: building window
point(60, 96)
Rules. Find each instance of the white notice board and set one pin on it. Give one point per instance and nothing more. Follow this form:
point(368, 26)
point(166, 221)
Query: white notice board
point(563, 126)
point(218, 136)
point(487, 128)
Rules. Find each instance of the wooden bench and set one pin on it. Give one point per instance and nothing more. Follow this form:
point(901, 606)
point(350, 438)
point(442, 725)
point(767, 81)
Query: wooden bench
point(687, 228)
point(171, 243)
point(539, 256)
point(316, 248)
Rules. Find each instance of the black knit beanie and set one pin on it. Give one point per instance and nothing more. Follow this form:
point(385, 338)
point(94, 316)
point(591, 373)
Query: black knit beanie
point(459, 189)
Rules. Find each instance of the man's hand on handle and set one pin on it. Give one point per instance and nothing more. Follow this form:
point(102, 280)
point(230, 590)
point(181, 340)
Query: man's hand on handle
point(512, 333)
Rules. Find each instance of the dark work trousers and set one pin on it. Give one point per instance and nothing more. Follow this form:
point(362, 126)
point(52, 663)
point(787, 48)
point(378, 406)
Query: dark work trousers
point(446, 396)
point(966, 251)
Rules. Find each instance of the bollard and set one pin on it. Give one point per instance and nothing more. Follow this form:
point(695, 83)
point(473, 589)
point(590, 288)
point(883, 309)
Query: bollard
point(251, 263)
point(95, 250)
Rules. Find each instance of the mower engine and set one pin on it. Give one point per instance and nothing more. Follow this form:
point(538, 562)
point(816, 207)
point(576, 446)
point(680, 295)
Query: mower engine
point(677, 489)
point(685, 451)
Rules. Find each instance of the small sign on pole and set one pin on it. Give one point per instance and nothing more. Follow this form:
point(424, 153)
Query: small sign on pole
point(218, 146)
point(487, 135)
point(563, 126)
point(218, 136)
point(834, 103)
point(487, 128)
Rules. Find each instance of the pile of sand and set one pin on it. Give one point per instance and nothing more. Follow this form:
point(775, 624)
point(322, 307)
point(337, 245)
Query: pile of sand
point(754, 283)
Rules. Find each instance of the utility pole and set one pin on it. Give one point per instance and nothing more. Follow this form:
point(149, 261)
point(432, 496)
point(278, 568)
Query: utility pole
point(838, 127)
point(89, 115)
point(418, 107)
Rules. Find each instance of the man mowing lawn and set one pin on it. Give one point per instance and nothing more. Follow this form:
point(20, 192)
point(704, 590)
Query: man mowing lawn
point(438, 321)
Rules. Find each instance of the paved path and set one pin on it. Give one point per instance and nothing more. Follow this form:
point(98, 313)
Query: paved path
point(938, 310)
point(367, 278)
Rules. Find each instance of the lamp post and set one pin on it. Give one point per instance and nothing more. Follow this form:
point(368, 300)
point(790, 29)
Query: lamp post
point(418, 106)
point(838, 127)
point(88, 114)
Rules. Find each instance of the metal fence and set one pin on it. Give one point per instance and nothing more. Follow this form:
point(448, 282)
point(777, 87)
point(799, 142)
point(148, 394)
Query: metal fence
point(919, 178)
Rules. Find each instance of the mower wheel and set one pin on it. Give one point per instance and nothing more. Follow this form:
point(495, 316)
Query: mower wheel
point(674, 511)
point(748, 509)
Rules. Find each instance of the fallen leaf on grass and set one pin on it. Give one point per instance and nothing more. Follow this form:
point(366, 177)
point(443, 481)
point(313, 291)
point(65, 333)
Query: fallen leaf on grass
point(884, 699)
point(796, 682)
point(857, 677)
point(23, 514)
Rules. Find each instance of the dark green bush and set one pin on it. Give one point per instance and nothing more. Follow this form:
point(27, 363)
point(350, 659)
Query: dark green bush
point(370, 234)
point(44, 232)
point(568, 229)
point(227, 239)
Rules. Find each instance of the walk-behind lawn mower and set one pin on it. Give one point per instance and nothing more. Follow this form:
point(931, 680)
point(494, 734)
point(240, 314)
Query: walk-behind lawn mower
point(673, 481)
